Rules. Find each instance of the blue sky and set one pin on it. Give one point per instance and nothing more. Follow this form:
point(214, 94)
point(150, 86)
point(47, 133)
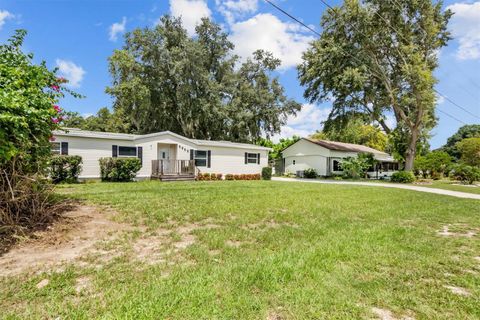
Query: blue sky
point(79, 36)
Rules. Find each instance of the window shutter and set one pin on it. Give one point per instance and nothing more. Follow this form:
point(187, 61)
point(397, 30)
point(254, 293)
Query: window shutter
point(246, 157)
point(191, 154)
point(114, 151)
point(209, 158)
point(258, 158)
point(140, 154)
point(64, 148)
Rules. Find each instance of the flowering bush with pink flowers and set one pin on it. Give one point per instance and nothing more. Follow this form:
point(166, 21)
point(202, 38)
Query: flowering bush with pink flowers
point(28, 115)
point(28, 103)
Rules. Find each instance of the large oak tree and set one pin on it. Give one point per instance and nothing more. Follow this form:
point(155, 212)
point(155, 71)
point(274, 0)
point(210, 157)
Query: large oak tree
point(375, 58)
point(195, 86)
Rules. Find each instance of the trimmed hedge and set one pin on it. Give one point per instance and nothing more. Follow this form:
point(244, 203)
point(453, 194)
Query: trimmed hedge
point(219, 176)
point(65, 169)
point(119, 169)
point(403, 177)
point(267, 173)
point(209, 176)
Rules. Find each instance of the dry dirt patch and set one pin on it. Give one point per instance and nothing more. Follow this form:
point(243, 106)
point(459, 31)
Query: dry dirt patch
point(458, 290)
point(158, 248)
point(385, 314)
point(460, 231)
point(65, 241)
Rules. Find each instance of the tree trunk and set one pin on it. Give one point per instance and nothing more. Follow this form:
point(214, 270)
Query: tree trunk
point(411, 150)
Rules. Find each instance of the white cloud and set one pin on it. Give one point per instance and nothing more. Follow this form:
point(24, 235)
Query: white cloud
point(440, 99)
point(465, 26)
point(265, 31)
point(4, 15)
point(117, 28)
point(306, 122)
point(191, 12)
point(70, 71)
point(232, 9)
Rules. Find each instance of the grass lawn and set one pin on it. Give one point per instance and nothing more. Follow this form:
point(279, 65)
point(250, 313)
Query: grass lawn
point(267, 250)
point(454, 186)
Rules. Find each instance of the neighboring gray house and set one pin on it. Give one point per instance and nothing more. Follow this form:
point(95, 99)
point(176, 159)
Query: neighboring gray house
point(325, 157)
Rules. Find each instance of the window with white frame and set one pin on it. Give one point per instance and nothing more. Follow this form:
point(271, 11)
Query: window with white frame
point(55, 147)
point(252, 158)
point(200, 157)
point(127, 151)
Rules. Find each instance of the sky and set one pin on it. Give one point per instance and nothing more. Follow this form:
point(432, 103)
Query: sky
point(79, 36)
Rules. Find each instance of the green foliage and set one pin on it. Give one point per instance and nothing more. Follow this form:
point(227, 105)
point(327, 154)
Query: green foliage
point(403, 177)
point(465, 173)
point(469, 150)
point(284, 143)
point(28, 113)
point(376, 69)
point(310, 173)
point(356, 167)
point(65, 169)
point(267, 173)
point(467, 131)
point(103, 121)
point(119, 169)
point(162, 79)
point(435, 164)
point(353, 131)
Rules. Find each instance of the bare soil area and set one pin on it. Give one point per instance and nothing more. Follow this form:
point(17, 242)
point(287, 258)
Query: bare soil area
point(65, 241)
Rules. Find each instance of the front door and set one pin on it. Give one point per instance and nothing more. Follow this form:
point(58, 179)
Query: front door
point(164, 154)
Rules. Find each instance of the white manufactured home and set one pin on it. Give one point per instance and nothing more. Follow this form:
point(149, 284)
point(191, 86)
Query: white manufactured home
point(163, 154)
point(326, 156)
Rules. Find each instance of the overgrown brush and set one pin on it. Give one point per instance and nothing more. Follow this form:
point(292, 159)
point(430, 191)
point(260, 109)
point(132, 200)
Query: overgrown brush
point(27, 203)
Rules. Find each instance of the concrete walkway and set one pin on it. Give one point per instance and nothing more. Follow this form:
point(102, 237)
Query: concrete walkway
point(457, 194)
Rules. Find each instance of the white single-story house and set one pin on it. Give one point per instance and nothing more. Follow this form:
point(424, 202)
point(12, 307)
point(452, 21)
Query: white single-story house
point(162, 154)
point(325, 157)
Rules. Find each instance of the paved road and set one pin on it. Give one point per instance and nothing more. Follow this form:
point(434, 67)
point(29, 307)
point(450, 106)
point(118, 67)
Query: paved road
point(457, 194)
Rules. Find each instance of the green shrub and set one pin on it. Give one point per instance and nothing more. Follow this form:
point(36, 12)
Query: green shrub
point(28, 114)
point(65, 169)
point(229, 177)
point(465, 173)
point(403, 177)
point(267, 173)
point(356, 167)
point(310, 173)
point(119, 169)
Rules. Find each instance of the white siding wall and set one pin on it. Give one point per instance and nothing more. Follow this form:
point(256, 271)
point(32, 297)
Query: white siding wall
point(232, 161)
point(224, 160)
point(309, 155)
point(91, 150)
point(306, 155)
point(319, 163)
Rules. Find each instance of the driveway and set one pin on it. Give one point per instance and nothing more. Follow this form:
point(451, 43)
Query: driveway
point(457, 194)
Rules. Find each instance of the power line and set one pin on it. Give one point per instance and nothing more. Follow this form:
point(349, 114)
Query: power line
point(455, 104)
point(391, 27)
point(292, 17)
point(449, 115)
point(438, 92)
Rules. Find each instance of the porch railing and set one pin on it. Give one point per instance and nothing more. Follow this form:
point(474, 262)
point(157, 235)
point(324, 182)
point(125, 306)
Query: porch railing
point(172, 167)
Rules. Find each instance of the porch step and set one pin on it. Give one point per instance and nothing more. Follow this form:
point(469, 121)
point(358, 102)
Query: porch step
point(180, 177)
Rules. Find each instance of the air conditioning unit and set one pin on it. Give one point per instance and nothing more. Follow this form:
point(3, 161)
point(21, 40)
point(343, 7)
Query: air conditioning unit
point(300, 174)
